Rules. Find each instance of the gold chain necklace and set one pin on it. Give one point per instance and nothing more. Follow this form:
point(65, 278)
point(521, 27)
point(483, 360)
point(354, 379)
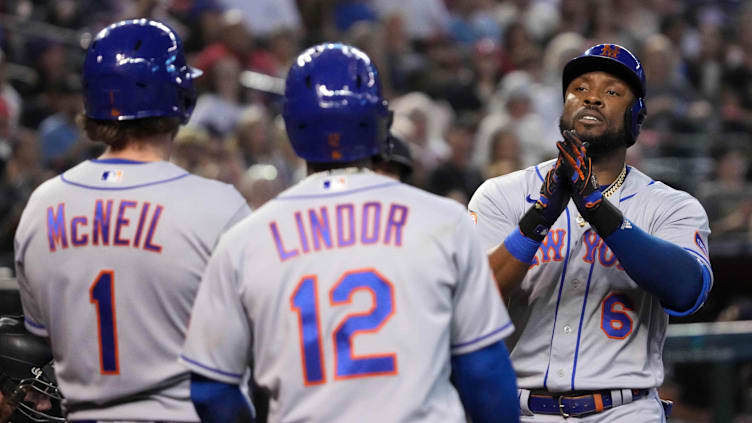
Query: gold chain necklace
point(608, 192)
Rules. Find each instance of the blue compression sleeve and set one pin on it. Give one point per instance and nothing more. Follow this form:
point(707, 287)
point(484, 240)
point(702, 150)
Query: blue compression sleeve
point(487, 384)
point(665, 270)
point(219, 402)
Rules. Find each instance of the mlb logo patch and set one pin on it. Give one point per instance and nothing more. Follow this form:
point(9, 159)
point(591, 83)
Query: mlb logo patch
point(113, 176)
point(335, 184)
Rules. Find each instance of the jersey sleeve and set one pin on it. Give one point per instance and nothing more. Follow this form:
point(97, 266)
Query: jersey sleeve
point(492, 212)
point(218, 342)
point(33, 317)
point(684, 222)
point(480, 317)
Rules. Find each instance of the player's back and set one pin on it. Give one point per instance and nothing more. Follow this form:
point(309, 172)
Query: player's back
point(352, 282)
point(112, 253)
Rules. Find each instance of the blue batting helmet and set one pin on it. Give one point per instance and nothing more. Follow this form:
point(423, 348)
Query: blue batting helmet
point(620, 62)
point(136, 69)
point(333, 108)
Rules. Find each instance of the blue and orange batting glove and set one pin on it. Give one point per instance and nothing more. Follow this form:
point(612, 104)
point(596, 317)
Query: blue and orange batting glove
point(585, 188)
point(554, 197)
point(586, 193)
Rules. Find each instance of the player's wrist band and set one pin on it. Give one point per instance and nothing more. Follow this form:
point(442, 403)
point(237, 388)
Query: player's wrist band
point(534, 224)
point(521, 247)
point(605, 218)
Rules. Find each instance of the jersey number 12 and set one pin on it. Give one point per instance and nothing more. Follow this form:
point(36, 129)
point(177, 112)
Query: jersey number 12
point(304, 302)
point(102, 295)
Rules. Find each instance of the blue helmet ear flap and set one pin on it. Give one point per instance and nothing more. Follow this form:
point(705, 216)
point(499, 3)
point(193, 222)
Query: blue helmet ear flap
point(634, 117)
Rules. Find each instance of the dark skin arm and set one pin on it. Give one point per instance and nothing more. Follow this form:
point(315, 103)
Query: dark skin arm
point(507, 270)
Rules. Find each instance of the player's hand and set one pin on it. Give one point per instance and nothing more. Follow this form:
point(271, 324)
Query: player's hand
point(578, 169)
point(7, 407)
point(554, 193)
point(554, 196)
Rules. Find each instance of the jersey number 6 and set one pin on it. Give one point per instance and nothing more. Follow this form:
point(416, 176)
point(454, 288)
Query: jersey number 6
point(304, 302)
point(102, 295)
point(615, 320)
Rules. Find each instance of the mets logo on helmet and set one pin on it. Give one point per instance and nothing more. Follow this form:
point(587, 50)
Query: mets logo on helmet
point(610, 50)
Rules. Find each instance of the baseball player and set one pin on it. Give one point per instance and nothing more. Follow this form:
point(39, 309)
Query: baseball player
point(28, 392)
point(397, 163)
point(356, 295)
point(109, 254)
point(593, 255)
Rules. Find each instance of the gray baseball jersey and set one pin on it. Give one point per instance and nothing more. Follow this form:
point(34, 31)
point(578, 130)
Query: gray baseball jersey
point(350, 291)
point(109, 256)
point(582, 323)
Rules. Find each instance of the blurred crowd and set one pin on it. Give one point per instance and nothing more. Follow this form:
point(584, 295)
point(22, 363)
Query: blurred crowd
point(475, 86)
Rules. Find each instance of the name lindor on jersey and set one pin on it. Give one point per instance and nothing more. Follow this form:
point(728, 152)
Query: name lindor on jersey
point(339, 226)
point(110, 225)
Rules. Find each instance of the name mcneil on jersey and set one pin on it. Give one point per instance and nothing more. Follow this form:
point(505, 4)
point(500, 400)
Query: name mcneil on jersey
point(552, 247)
point(339, 226)
point(110, 224)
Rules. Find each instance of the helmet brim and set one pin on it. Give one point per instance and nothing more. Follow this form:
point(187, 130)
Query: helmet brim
point(584, 64)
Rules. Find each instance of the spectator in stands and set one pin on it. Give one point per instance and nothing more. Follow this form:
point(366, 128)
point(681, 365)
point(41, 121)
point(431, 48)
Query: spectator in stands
point(728, 196)
point(736, 109)
point(192, 151)
point(513, 106)
point(473, 20)
point(259, 184)
point(425, 20)
point(264, 17)
point(256, 142)
point(23, 173)
point(421, 122)
point(236, 39)
point(487, 66)
point(9, 95)
point(58, 133)
point(505, 154)
point(455, 177)
point(49, 63)
point(217, 110)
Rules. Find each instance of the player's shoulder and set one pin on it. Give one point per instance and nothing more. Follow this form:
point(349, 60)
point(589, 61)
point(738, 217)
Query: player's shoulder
point(518, 183)
point(210, 189)
point(430, 203)
point(643, 185)
point(47, 190)
point(663, 199)
point(519, 180)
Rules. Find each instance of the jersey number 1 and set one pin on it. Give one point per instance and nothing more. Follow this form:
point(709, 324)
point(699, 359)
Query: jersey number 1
point(304, 302)
point(102, 295)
